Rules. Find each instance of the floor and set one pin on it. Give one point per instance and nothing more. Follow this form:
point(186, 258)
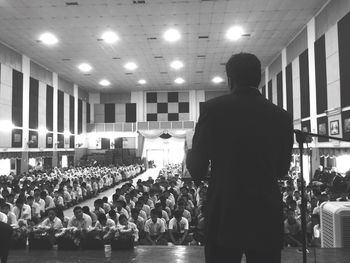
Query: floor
point(153, 172)
point(148, 254)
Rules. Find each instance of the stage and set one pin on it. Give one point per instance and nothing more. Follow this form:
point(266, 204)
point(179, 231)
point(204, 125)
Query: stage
point(169, 254)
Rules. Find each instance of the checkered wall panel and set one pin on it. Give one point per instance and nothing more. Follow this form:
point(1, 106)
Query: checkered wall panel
point(167, 106)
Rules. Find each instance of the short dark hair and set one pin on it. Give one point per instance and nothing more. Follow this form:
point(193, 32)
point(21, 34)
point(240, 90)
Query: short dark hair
point(244, 69)
point(77, 208)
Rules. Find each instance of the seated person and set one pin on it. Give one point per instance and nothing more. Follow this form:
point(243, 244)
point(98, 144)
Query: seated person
point(102, 221)
point(52, 221)
point(11, 217)
point(80, 220)
point(142, 213)
point(178, 229)
point(138, 221)
point(185, 213)
point(112, 214)
point(35, 208)
point(292, 230)
point(86, 210)
point(21, 210)
point(120, 208)
point(154, 230)
point(127, 228)
point(162, 212)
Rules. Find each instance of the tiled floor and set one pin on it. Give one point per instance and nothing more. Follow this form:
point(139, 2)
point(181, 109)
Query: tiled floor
point(148, 254)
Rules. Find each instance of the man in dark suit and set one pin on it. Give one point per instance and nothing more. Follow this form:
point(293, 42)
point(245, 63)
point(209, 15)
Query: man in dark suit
point(5, 238)
point(248, 141)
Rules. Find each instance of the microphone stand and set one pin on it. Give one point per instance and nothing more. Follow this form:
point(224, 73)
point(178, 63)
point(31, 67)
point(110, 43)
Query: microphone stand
point(301, 138)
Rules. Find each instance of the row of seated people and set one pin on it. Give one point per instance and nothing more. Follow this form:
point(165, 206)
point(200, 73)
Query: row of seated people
point(30, 196)
point(315, 194)
point(153, 212)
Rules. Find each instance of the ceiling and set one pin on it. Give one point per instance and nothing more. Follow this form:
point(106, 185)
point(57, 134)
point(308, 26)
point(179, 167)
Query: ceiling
point(270, 23)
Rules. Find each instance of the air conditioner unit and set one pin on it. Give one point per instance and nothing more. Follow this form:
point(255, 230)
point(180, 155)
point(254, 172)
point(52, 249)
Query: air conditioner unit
point(335, 224)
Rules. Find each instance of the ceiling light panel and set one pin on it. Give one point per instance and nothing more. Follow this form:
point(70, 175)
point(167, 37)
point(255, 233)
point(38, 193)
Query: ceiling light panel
point(172, 35)
point(85, 67)
point(48, 38)
point(110, 37)
point(130, 66)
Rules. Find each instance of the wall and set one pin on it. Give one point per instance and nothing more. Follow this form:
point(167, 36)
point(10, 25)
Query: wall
point(315, 76)
point(29, 98)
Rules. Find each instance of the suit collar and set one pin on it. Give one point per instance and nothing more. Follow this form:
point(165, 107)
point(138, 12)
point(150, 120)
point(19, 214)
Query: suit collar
point(250, 91)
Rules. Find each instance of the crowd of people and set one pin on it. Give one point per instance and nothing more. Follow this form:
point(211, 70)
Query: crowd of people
point(27, 199)
point(152, 212)
point(168, 209)
point(326, 185)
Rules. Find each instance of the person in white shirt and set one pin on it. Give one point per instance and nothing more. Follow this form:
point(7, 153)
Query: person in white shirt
point(40, 202)
point(21, 210)
point(120, 209)
point(52, 221)
point(178, 229)
point(154, 230)
point(49, 203)
point(103, 221)
point(80, 220)
point(142, 213)
point(11, 218)
point(35, 208)
point(128, 228)
point(3, 218)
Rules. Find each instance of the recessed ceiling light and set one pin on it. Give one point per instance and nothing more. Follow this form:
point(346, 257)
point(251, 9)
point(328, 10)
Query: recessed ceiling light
point(104, 83)
point(85, 67)
point(179, 80)
point(142, 81)
point(234, 33)
point(217, 79)
point(48, 38)
point(172, 35)
point(176, 64)
point(110, 37)
point(130, 66)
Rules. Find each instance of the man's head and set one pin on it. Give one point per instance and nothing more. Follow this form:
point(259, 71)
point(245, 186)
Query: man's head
point(51, 214)
point(135, 213)
point(30, 200)
point(243, 70)
point(123, 220)
point(178, 215)
point(154, 215)
point(78, 212)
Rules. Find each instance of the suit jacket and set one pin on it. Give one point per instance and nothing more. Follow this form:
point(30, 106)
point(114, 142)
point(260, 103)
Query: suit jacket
point(248, 141)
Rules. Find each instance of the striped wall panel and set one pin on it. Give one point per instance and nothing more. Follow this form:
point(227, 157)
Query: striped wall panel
point(88, 113)
point(5, 103)
point(279, 90)
point(17, 108)
point(49, 108)
point(321, 75)
point(60, 111)
point(304, 84)
point(289, 89)
point(344, 59)
point(80, 116)
point(33, 103)
point(71, 114)
point(269, 87)
point(296, 89)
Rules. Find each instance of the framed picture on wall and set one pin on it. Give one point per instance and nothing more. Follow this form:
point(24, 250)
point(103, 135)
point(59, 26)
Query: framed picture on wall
point(17, 137)
point(305, 129)
point(322, 129)
point(49, 140)
point(334, 126)
point(346, 125)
